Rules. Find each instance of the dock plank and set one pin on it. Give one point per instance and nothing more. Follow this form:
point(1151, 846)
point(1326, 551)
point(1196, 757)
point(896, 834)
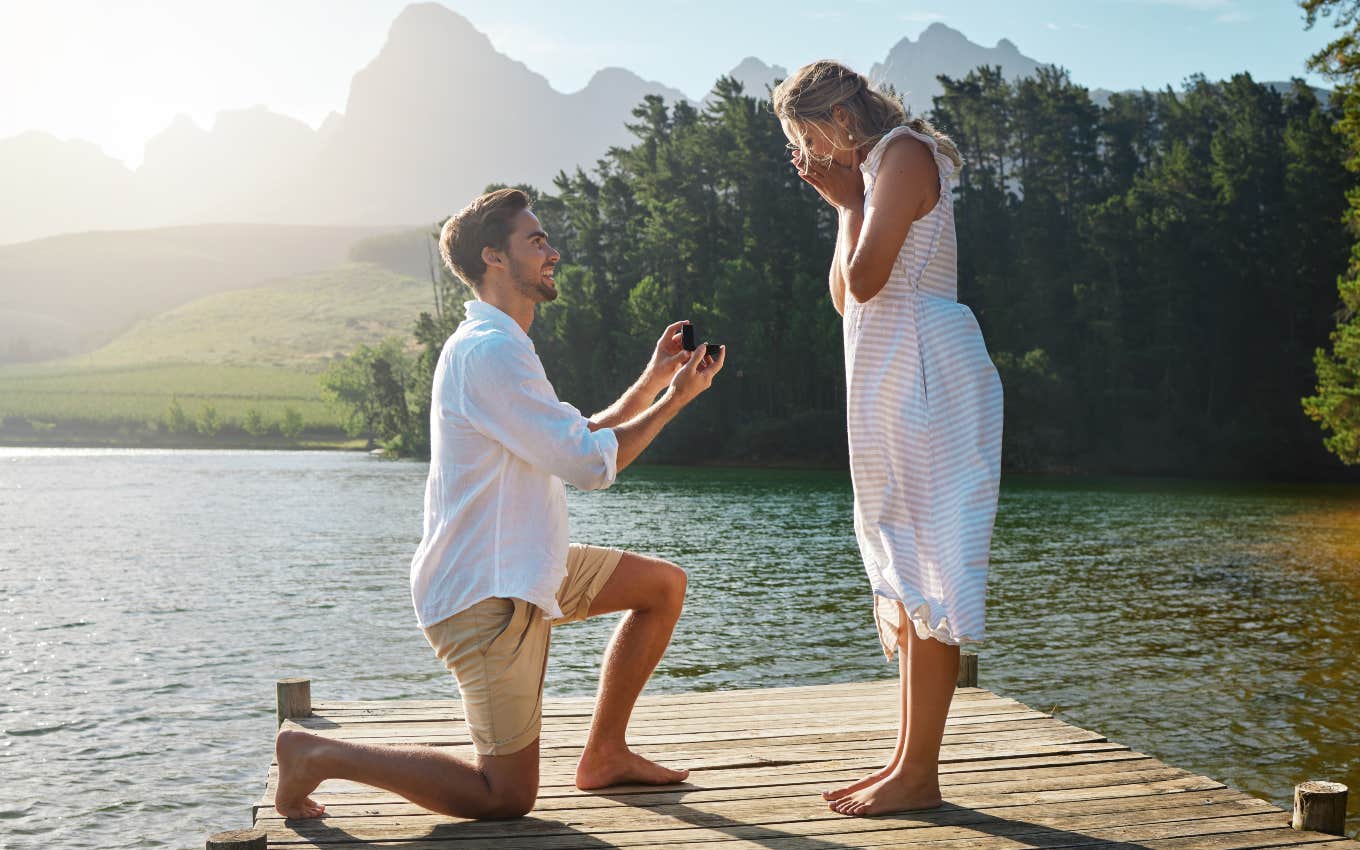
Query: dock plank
point(1014, 778)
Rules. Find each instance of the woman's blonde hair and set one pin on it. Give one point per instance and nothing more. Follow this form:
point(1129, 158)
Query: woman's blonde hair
point(815, 90)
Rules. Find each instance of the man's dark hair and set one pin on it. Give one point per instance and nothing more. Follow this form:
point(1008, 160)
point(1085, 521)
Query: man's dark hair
point(481, 224)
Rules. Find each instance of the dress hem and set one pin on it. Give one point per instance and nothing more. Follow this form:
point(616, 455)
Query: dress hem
point(928, 621)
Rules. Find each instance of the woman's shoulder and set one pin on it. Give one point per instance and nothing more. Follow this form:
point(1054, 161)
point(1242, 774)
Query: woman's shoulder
point(905, 148)
point(906, 160)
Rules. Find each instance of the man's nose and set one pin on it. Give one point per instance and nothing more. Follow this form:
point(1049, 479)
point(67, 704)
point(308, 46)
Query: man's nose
point(554, 253)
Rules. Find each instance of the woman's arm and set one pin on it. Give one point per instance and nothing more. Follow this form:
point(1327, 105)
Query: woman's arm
point(836, 280)
point(869, 239)
point(906, 189)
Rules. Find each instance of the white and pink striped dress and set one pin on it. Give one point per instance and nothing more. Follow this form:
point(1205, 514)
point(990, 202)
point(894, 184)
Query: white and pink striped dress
point(924, 420)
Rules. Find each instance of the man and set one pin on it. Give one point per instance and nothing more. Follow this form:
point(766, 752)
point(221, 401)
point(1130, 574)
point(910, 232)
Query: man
point(494, 570)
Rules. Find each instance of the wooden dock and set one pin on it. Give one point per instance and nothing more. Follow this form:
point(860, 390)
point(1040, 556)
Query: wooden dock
point(1013, 778)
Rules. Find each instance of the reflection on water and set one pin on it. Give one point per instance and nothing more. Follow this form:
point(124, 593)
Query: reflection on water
point(149, 599)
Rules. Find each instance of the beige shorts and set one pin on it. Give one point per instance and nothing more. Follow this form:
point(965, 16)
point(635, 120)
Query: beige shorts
point(498, 652)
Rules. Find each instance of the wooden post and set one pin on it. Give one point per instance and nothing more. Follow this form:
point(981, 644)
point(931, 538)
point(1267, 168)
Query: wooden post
point(294, 698)
point(239, 839)
point(967, 670)
point(1320, 807)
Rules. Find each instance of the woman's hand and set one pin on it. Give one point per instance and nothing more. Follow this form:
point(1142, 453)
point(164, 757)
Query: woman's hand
point(841, 186)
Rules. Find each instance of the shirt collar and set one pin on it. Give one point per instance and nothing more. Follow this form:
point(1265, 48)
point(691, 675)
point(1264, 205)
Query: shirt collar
point(480, 311)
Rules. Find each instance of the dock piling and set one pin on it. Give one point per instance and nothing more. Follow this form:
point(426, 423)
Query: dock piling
point(239, 839)
point(1320, 807)
point(294, 698)
point(968, 670)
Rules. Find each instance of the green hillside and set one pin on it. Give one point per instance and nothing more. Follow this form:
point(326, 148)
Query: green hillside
point(300, 322)
point(69, 294)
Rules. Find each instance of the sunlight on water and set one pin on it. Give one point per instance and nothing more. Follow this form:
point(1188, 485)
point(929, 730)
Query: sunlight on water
point(148, 601)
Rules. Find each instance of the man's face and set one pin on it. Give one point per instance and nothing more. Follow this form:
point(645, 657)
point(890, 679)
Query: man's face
point(532, 260)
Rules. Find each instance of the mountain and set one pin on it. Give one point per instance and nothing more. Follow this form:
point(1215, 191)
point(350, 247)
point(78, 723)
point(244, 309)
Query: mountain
point(912, 67)
point(429, 122)
point(439, 114)
point(247, 168)
point(61, 187)
point(756, 77)
point(68, 294)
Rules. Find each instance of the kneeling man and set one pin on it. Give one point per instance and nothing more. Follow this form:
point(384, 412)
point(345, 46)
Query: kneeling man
point(494, 571)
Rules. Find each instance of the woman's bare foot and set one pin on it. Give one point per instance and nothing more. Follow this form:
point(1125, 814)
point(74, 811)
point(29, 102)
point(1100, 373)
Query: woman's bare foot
point(872, 779)
point(897, 792)
point(622, 767)
point(297, 774)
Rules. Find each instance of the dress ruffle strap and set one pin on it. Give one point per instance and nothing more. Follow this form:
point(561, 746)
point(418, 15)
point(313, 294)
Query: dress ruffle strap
point(943, 164)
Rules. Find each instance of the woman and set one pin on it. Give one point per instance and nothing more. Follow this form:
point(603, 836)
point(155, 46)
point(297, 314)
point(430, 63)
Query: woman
point(924, 401)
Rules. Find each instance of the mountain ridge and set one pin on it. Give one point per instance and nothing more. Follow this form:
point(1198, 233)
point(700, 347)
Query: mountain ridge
point(401, 151)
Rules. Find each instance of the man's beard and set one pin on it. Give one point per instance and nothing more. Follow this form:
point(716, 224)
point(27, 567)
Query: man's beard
point(531, 285)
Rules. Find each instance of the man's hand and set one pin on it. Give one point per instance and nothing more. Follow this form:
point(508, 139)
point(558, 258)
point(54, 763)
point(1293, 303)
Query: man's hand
point(669, 356)
point(689, 380)
point(697, 374)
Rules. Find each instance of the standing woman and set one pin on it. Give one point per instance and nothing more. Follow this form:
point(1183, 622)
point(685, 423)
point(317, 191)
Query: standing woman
point(924, 401)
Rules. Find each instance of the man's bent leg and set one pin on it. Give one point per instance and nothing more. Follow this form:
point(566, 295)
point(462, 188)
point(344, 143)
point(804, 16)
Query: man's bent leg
point(494, 787)
point(498, 649)
point(652, 592)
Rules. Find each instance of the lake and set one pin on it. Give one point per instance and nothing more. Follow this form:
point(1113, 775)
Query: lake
point(149, 599)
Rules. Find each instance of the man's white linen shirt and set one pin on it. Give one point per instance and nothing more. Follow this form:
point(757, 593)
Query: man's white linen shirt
point(500, 446)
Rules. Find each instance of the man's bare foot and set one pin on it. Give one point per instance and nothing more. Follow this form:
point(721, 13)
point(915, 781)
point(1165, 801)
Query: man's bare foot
point(297, 775)
point(872, 779)
point(622, 767)
point(895, 793)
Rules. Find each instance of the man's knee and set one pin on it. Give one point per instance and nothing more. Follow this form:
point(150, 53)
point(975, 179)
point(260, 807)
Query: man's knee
point(513, 802)
point(673, 584)
point(512, 784)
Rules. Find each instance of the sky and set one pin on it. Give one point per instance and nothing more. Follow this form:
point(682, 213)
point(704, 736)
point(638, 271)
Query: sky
point(116, 72)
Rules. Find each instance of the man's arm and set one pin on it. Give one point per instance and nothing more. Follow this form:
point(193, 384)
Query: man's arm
point(507, 398)
point(667, 357)
point(634, 401)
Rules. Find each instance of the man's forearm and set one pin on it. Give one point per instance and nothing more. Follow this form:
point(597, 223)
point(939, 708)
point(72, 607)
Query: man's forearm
point(637, 433)
point(633, 402)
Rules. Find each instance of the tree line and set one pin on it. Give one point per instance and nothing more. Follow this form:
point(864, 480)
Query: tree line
point(1153, 276)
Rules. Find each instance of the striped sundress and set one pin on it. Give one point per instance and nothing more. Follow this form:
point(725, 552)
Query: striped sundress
point(924, 421)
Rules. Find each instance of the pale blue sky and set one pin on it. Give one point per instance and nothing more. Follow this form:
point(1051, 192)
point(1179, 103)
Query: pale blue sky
point(117, 71)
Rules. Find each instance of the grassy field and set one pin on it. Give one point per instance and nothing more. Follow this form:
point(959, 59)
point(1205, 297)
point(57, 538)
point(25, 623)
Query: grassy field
point(239, 367)
point(140, 395)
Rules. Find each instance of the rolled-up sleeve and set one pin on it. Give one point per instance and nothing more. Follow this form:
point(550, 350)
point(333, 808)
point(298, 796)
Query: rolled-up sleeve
point(506, 396)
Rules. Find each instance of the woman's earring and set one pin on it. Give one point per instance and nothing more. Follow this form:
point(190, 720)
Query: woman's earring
point(851, 136)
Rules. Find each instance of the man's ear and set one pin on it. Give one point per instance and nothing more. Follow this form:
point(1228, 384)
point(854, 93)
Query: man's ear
point(492, 257)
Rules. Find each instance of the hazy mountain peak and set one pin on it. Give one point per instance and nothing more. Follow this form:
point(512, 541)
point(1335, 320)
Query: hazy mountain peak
point(612, 79)
point(755, 76)
point(420, 21)
point(912, 67)
point(937, 33)
point(256, 118)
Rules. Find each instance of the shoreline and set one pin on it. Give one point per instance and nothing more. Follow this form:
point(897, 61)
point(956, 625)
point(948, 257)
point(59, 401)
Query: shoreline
point(329, 442)
point(307, 441)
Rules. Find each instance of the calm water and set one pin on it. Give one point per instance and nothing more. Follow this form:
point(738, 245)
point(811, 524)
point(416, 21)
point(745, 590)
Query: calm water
point(148, 601)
